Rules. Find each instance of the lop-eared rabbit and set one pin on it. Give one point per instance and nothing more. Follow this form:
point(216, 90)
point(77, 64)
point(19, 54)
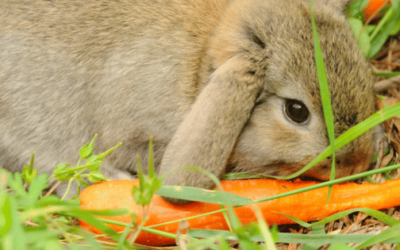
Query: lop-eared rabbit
point(224, 85)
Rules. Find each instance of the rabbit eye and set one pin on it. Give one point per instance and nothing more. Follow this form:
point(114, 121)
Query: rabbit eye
point(258, 41)
point(296, 111)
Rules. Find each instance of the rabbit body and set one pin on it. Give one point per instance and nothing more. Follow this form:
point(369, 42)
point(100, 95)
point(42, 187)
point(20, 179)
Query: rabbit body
point(208, 79)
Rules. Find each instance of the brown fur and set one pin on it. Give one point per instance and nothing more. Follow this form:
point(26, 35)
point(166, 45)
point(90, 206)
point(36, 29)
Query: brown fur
point(206, 78)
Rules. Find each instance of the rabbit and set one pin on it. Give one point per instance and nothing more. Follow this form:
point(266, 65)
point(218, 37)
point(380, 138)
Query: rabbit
point(224, 85)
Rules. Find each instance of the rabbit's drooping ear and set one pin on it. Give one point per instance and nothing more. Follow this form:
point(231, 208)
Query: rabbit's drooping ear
point(340, 5)
point(208, 133)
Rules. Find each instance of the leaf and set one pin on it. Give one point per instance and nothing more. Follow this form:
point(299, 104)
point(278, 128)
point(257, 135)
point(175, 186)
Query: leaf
point(387, 74)
point(203, 195)
point(316, 230)
point(60, 173)
point(86, 151)
point(37, 186)
point(393, 232)
point(293, 238)
point(356, 7)
point(244, 234)
point(96, 176)
point(5, 213)
point(268, 238)
point(371, 212)
point(388, 24)
point(339, 246)
point(361, 35)
point(28, 173)
point(14, 181)
point(95, 222)
point(14, 237)
point(223, 245)
point(298, 221)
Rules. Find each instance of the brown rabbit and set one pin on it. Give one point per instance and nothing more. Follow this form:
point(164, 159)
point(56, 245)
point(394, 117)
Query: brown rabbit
point(224, 85)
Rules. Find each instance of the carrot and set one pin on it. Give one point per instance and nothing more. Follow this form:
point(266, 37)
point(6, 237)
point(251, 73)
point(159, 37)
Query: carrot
point(308, 206)
point(372, 7)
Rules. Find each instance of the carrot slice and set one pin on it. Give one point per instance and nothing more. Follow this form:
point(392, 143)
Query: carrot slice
point(307, 206)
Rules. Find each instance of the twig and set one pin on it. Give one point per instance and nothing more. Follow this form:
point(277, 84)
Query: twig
point(386, 84)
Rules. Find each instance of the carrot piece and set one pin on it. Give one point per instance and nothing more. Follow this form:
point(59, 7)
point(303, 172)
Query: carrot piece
point(372, 7)
point(308, 206)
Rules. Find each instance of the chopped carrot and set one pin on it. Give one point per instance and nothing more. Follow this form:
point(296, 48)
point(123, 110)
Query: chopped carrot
point(307, 206)
point(372, 7)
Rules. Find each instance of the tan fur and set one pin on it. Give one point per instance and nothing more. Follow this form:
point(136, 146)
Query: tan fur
point(207, 78)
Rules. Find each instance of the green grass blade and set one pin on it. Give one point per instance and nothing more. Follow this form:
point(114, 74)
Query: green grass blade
point(325, 95)
point(293, 238)
point(96, 222)
point(203, 195)
point(387, 74)
point(393, 232)
point(265, 232)
point(382, 217)
point(339, 246)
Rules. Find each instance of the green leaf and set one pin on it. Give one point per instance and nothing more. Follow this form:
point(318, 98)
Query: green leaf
point(16, 184)
point(151, 172)
point(223, 245)
point(361, 35)
point(239, 176)
point(244, 233)
point(203, 195)
point(95, 222)
point(60, 174)
point(28, 173)
point(37, 186)
point(393, 232)
point(386, 27)
point(396, 17)
point(339, 246)
point(268, 238)
point(293, 238)
point(5, 213)
point(370, 29)
point(371, 212)
point(14, 237)
point(53, 244)
point(387, 74)
point(356, 7)
point(96, 176)
point(396, 28)
point(86, 151)
point(316, 230)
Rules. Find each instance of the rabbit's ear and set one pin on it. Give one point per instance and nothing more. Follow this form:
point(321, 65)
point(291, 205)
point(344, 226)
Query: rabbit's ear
point(208, 133)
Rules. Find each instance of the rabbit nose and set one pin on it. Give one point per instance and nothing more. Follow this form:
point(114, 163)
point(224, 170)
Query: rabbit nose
point(345, 164)
point(352, 163)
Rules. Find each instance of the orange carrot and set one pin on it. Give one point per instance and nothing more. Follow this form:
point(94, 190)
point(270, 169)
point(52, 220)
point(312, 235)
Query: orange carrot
point(308, 206)
point(372, 7)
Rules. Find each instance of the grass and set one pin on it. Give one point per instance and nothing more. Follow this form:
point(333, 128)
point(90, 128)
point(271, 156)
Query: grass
point(32, 218)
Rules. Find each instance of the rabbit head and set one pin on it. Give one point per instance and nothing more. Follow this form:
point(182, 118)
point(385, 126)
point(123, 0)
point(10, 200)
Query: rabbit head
point(261, 110)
